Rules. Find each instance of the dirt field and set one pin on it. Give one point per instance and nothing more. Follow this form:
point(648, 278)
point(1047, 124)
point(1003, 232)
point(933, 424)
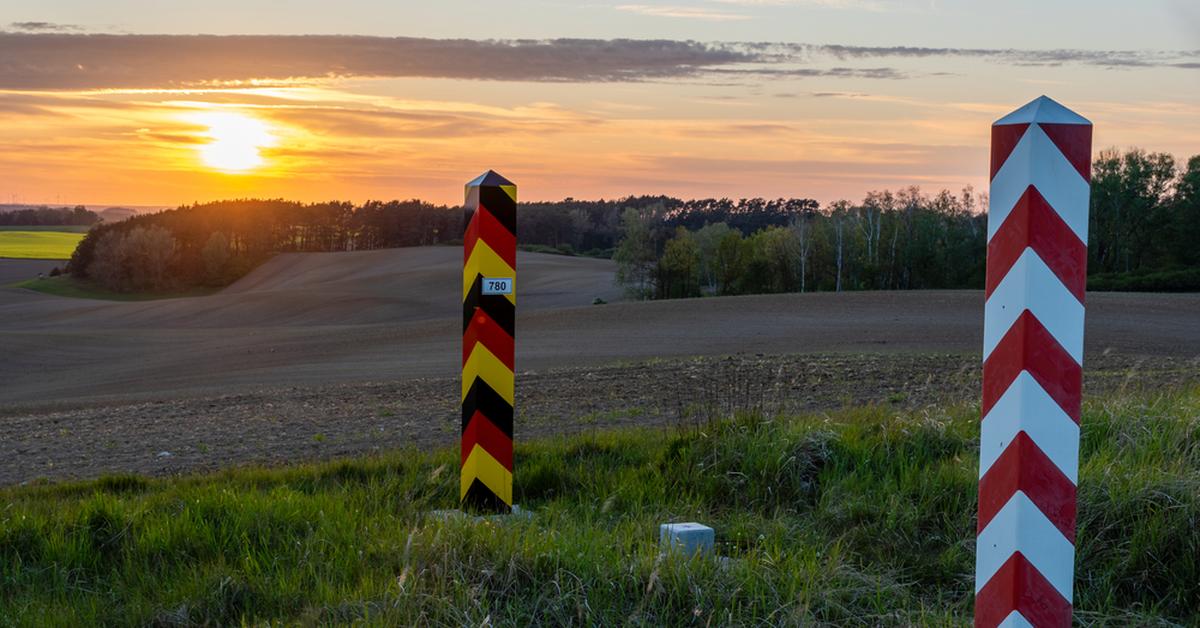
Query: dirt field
point(324, 355)
point(14, 270)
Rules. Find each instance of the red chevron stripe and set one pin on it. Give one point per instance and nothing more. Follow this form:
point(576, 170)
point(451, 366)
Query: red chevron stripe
point(482, 329)
point(1027, 346)
point(1075, 143)
point(1034, 223)
point(481, 431)
point(484, 225)
point(1018, 586)
point(1004, 140)
point(1025, 467)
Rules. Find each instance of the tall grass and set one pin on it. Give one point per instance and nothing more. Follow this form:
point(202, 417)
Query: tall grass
point(858, 517)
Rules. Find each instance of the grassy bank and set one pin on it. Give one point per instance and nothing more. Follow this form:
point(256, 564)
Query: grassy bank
point(859, 517)
point(36, 244)
point(67, 286)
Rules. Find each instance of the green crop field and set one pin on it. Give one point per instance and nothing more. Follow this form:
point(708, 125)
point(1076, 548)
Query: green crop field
point(38, 244)
point(862, 516)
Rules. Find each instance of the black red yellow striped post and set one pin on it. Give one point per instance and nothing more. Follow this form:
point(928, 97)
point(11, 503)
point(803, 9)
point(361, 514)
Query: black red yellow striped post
point(489, 313)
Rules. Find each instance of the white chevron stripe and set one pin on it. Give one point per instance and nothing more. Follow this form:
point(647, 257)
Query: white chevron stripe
point(1036, 160)
point(1021, 526)
point(1030, 284)
point(1015, 620)
point(1027, 407)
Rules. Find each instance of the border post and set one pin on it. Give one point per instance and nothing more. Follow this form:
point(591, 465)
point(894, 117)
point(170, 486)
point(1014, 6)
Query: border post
point(489, 313)
point(1032, 366)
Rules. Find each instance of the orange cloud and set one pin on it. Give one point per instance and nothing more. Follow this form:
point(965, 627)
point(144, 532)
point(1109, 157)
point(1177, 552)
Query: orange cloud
point(124, 129)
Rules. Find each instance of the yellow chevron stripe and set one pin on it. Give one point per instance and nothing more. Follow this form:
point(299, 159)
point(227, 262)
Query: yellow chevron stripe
point(511, 191)
point(480, 464)
point(484, 261)
point(484, 364)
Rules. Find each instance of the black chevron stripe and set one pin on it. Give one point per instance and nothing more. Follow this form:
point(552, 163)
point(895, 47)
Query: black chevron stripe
point(497, 202)
point(496, 306)
point(490, 404)
point(480, 498)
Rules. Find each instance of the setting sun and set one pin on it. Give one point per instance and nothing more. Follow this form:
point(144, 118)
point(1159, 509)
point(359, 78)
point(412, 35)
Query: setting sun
point(235, 141)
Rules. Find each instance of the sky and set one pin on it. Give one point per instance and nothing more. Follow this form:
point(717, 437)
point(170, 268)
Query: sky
point(122, 102)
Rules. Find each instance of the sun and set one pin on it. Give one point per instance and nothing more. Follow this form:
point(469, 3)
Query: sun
point(235, 141)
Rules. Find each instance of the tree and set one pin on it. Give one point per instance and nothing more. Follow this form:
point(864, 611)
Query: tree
point(50, 216)
point(708, 240)
point(216, 257)
point(636, 256)
point(729, 264)
point(679, 268)
point(838, 214)
point(1130, 209)
point(107, 266)
point(876, 207)
point(147, 252)
point(784, 250)
point(772, 256)
point(1184, 236)
point(155, 247)
point(137, 260)
point(803, 230)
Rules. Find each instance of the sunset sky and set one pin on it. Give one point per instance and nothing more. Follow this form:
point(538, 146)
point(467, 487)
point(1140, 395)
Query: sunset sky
point(123, 102)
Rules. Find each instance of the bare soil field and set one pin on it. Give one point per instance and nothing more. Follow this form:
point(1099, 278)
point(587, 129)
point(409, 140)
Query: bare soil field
point(14, 270)
point(334, 354)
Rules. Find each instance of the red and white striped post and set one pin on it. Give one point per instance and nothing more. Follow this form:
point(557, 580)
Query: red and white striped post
point(1032, 366)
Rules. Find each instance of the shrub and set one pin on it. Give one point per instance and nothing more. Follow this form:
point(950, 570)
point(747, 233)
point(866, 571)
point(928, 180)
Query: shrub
point(1181, 280)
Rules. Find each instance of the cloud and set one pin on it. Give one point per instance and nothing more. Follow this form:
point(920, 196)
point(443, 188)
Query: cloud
point(71, 61)
point(836, 72)
point(43, 27)
point(60, 61)
point(863, 5)
point(1056, 57)
point(693, 13)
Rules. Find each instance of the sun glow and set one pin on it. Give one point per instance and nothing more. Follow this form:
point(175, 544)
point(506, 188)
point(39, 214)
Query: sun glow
point(235, 141)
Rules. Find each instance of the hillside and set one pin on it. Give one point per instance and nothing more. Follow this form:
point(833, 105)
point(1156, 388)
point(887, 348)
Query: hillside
point(386, 286)
point(332, 354)
point(322, 318)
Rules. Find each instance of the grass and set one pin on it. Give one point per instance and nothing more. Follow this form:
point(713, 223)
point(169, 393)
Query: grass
point(34, 244)
point(859, 517)
point(67, 286)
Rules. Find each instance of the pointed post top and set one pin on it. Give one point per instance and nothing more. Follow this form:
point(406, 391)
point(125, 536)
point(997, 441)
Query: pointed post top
point(490, 178)
point(1042, 109)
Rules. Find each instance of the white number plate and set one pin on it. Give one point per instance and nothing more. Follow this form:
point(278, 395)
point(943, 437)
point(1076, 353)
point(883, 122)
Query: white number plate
point(497, 285)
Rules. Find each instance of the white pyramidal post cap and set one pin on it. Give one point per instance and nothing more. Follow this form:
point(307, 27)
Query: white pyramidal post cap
point(1042, 109)
point(688, 539)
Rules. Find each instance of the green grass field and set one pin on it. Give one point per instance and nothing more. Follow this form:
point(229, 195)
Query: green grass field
point(858, 517)
point(29, 243)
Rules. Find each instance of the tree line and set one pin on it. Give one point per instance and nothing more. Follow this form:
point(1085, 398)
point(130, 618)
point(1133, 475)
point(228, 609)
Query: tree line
point(1145, 223)
point(901, 240)
point(49, 217)
point(1144, 234)
point(212, 244)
